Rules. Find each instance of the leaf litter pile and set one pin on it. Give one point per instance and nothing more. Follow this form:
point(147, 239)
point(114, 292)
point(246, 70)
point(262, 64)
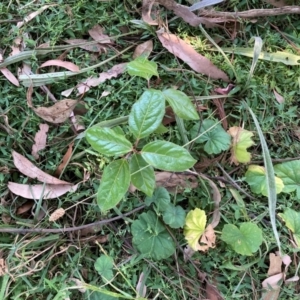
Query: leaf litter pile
point(194, 213)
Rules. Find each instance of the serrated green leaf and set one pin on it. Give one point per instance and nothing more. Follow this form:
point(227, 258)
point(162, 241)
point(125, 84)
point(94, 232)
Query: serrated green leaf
point(289, 172)
point(167, 156)
point(194, 227)
point(256, 178)
point(107, 141)
point(245, 240)
point(181, 104)
point(216, 139)
point(174, 216)
point(147, 113)
point(114, 184)
point(292, 221)
point(241, 140)
point(104, 265)
point(161, 199)
point(143, 178)
point(142, 67)
point(151, 238)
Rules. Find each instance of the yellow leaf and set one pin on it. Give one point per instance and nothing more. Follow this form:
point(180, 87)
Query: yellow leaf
point(241, 140)
point(194, 227)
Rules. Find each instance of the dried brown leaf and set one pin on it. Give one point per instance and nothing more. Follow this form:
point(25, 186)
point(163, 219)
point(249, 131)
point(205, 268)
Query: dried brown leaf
point(97, 34)
point(90, 48)
point(25, 207)
point(65, 160)
point(276, 3)
point(10, 76)
point(3, 267)
point(275, 264)
point(143, 49)
point(40, 140)
point(273, 293)
point(190, 56)
point(208, 239)
point(57, 214)
point(278, 97)
point(38, 191)
point(91, 230)
point(141, 288)
point(212, 292)
point(146, 12)
point(29, 169)
point(60, 63)
point(57, 113)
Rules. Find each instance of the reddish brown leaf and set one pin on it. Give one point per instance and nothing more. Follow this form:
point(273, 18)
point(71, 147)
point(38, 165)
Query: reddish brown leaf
point(40, 140)
point(29, 169)
point(59, 63)
point(10, 76)
point(65, 160)
point(212, 292)
point(24, 207)
point(275, 264)
point(57, 113)
point(97, 34)
point(143, 49)
point(190, 56)
point(38, 191)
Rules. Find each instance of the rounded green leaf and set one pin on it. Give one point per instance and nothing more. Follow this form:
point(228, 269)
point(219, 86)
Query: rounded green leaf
point(142, 67)
point(114, 184)
point(216, 139)
point(289, 172)
point(147, 113)
point(142, 174)
point(256, 178)
point(245, 240)
point(174, 216)
point(181, 104)
point(104, 265)
point(167, 156)
point(161, 199)
point(151, 238)
point(107, 141)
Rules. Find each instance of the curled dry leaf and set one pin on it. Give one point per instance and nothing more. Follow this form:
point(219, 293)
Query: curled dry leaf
point(65, 160)
point(40, 140)
point(83, 87)
point(143, 49)
point(59, 63)
point(29, 169)
point(208, 239)
point(10, 76)
point(190, 56)
point(97, 34)
point(146, 12)
point(57, 214)
point(272, 287)
point(57, 113)
point(38, 191)
point(25, 207)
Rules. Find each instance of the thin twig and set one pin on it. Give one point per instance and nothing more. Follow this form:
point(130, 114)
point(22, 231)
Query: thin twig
point(68, 229)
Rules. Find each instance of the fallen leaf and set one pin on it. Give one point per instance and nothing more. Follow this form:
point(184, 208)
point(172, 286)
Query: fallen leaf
point(143, 49)
point(97, 34)
point(57, 113)
point(146, 12)
point(29, 169)
point(3, 267)
point(276, 3)
point(89, 47)
point(208, 239)
point(33, 15)
point(59, 63)
point(38, 191)
point(57, 214)
point(188, 252)
point(10, 76)
point(275, 264)
point(25, 207)
point(190, 56)
point(16, 47)
point(278, 97)
point(271, 286)
point(81, 286)
point(212, 292)
point(40, 140)
point(65, 160)
point(141, 288)
point(175, 182)
point(224, 91)
point(92, 230)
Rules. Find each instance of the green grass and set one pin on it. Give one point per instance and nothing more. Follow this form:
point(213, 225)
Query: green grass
point(41, 266)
